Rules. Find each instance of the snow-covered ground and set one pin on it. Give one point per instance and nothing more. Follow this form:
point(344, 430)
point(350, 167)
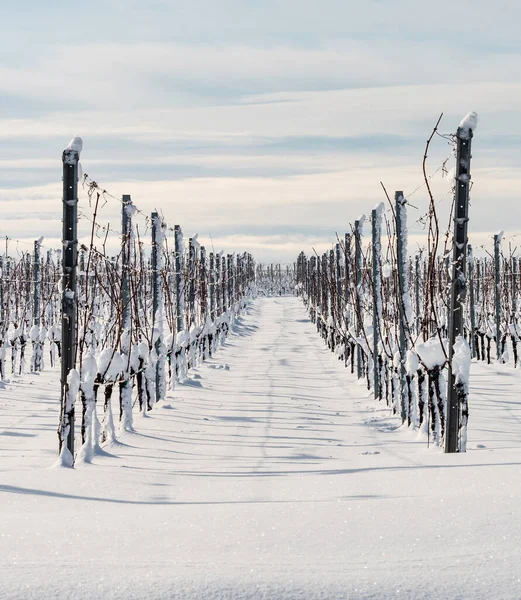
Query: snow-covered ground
point(270, 474)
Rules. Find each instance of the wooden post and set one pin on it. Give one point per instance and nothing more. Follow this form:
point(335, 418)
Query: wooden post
point(417, 277)
point(313, 286)
point(125, 389)
point(192, 276)
point(156, 225)
point(231, 279)
point(497, 294)
point(2, 307)
point(224, 283)
point(339, 298)
point(325, 288)
point(36, 277)
point(377, 307)
point(126, 213)
point(218, 286)
point(347, 267)
point(28, 278)
point(358, 291)
point(470, 260)
point(401, 254)
point(332, 286)
point(156, 303)
point(179, 286)
point(318, 286)
point(212, 287)
point(203, 296)
point(37, 358)
point(515, 272)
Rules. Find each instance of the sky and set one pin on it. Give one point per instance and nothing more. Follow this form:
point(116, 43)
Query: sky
point(264, 126)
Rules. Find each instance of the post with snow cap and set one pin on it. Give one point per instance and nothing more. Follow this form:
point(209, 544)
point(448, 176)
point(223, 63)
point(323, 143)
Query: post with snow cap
point(317, 287)
point(69, 383)
point(324, 302)
point(192, 276)
point(472, 302)
point(376, 216)
point(514, 320)
point(157, 305)
point(179, 305)
point(347, 266)
point(36, 277)
point(358, 291)
point(156, 225)
point(339, 298)
point(417, 274)
point(37, 358)
point(224, 286)
point(126, 216)
point(401, 255)
point(125, 386)
point(457, 384)
point(217, 285)
point(230, 278)
point(212, 287)
point(28, 276)
point(203, 289)
point(497, 293)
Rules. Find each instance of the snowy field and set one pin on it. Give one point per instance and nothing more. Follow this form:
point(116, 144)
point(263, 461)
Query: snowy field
point(270, 474)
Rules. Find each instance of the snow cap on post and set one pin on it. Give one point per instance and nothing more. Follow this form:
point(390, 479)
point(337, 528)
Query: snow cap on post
point(71, 154)
point(361, 220)
point(380, 209)
point(468, 125)
point(195, 242)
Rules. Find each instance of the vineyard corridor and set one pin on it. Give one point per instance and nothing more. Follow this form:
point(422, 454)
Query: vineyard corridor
point(271, 472)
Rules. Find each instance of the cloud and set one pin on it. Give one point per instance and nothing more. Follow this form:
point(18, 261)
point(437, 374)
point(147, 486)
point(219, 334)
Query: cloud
point(263, 120)
point(398, 110)
point(266, 22)
point(163, 74)
point(273, 215)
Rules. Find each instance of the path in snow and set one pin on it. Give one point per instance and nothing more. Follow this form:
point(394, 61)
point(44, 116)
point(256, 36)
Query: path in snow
point(273, 474)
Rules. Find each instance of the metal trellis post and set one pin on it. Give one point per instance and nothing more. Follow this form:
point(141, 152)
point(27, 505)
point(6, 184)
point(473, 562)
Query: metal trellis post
point(401, 255)
point(377, 280)
point(458, 283)
point(70, 159)
point(358, 285)
point(470, 260)
point(497, 294)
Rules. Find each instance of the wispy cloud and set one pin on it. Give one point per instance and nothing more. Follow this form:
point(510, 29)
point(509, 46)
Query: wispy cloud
point(253, 121)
